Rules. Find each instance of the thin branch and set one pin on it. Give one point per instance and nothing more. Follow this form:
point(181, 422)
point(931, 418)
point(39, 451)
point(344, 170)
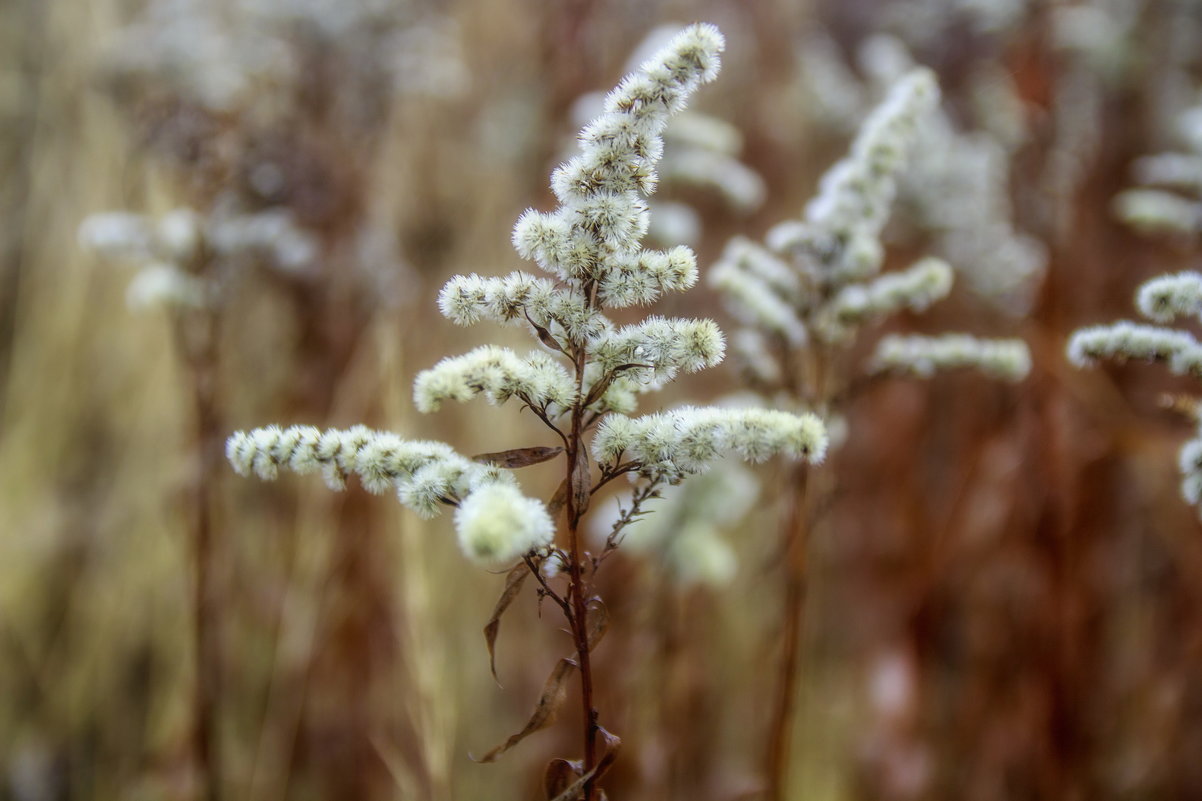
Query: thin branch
point(546, 588)
point(625, 518)
point(541, 413)
point(609, 474)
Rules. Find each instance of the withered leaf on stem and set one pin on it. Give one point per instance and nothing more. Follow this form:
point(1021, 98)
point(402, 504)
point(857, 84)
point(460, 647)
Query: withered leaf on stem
point(611, 743)
point(555, 691)
point(560, 775)
point(558, 499)
point(582, 489)
point(598, 621)
point(545, 337)
point(513, 585)
point(518, 457)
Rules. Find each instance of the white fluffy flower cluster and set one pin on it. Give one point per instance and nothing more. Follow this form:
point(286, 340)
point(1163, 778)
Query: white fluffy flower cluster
point(814, 276)
point(591, 247)
point(602, 217)
point(519, 298)
point(658, 348)
point(839, 239)
point(497, 525)
point(221, 56)
point(271, 236)
point(1157, 211)
point(760, 289)
point(176, 253)
point(701, 153)
point(1162, 299)
point(424, 473)
point(1127, 340)
point(955, 187)
point(1005, 359)
point(1167, 297)
point(495, 522)
point(498, 374)
point(816, 279)
point(1168, 200)
point(916, 288)
point(1189, 462)
point(1169, 197)
point(705, 155)
point(1173, 170)
point(669, 446)
point(164, 251)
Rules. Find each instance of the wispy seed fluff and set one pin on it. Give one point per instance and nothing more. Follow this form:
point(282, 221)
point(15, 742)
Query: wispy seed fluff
point(1167, 297)
point(498, 374)
point(1126, 340)
point(659, 347)
point(595, 235)
point(1006, 359)
point(424, 474)
point(164, 285)
point(839, 238)
point(759, 289)
point(671, 445)
point(1162, 299)
point(916, 288)
point(496, 525)
point(1189, 461)
point(1157, 211)
point(519, 298)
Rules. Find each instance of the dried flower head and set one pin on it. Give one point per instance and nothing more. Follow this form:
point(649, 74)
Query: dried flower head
point(1162, 299)
point(1004, 359)
point(498, 525)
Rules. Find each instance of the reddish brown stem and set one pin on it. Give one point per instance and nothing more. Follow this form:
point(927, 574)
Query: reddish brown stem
point(580, 634)
point(780, 734)
point(577, 596)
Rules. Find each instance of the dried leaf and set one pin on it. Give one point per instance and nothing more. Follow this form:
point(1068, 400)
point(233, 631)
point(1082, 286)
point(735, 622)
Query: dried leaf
point(611, 743)
point(555, 691)
point(558, 499)
point(544, 336)
point(598, 622)
point(560, 775)
point(582, 484)
point(513, 585)
point(518, 457)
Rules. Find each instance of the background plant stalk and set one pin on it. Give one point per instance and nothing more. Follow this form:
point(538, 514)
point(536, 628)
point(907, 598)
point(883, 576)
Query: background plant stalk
point(196, 340)
point(810, 382)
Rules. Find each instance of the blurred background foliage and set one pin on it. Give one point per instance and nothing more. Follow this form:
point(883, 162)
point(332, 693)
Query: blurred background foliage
point(1004, 601)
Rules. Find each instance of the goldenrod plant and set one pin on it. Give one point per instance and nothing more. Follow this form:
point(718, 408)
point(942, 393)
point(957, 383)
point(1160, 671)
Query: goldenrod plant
point(953, 194)
point(701, 157)
point(1167, 201)
point(805, 299)
point(583, 382)
point(1168, 195)
point(260, 145)
point(1164, 299)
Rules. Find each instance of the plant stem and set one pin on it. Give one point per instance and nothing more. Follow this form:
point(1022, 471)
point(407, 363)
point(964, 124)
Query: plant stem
point(794, 536)
point(200, 355)
point(580, 633)
point(577, 493)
